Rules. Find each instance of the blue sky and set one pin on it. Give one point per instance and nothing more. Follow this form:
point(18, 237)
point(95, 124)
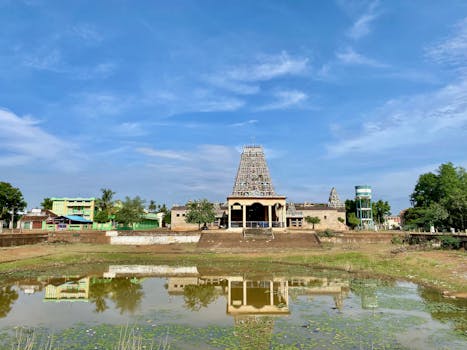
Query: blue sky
point(156, 98)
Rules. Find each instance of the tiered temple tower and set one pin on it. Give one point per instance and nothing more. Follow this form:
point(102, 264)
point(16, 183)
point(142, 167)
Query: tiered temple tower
point(334, 201)
point(254, 203)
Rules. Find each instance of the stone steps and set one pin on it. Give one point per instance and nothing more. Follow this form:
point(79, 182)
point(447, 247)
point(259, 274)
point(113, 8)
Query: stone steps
point(258, 233)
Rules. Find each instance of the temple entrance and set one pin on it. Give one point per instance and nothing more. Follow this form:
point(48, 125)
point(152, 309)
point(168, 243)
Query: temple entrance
point(256, 213)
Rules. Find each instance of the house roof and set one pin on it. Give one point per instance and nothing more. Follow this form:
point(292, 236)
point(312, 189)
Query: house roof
point(78, 218)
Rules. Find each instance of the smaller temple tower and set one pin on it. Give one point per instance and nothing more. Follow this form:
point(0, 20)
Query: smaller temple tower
point(334, 201)
point(363, 204)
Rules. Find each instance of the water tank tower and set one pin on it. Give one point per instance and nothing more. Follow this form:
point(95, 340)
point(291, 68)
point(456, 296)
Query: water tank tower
point(363, 204)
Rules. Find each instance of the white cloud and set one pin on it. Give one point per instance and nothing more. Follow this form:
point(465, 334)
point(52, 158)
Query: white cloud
point(204, 171)
point(421, 119)
point(130, 129)
point(101, 104)
point(45, 59)
point(24, 141)
point(237, 87)
point(268, 67)
point(349, 56)
point(218, 104)
point(285, 99)
point(451, 50)
point(244, 123)
point(87, 33)
point(361, 27)
point(169, 154)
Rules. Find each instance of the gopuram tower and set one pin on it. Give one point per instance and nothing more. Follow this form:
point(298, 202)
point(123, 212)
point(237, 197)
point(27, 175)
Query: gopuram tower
point(254, 203)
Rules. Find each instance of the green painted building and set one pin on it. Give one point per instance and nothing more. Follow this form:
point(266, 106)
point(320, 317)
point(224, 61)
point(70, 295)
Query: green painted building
point(74, 206)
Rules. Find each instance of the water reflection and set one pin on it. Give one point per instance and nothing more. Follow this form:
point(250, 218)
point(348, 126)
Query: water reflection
point(254, 301)
point(7, 297)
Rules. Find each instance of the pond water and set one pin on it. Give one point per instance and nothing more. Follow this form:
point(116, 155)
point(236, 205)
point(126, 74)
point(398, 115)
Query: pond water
point(186, 307)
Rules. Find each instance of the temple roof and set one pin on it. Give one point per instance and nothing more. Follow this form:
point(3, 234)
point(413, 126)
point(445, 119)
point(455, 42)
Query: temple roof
point(253, 179)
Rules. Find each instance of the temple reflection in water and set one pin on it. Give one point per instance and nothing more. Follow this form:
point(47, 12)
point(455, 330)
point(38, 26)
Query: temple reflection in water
point(258, 295)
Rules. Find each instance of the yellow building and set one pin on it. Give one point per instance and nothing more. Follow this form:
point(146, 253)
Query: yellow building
point(74, 206)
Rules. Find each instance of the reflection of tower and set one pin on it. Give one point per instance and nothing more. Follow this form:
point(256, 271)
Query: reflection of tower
point(254, 332)
point(363, 204)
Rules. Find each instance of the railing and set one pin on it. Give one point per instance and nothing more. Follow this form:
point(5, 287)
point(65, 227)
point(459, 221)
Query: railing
point(256, 224)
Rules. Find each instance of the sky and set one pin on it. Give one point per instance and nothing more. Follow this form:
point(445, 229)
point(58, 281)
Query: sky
point(157, 98)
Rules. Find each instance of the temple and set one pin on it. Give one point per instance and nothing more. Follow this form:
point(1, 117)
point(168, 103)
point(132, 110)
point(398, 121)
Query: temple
point(254, 204)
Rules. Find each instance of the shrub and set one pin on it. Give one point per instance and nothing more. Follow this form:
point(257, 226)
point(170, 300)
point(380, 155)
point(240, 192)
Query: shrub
point(397, 240)
point(449, 242)
point(327, 233)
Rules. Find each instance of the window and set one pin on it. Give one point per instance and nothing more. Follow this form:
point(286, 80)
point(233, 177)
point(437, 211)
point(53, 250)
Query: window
point(178, 214)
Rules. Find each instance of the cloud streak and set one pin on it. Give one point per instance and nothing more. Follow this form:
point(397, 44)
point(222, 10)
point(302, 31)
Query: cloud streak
point(268, 67)
point(285, 99)
point(361, 27)
point(350, 57)
point(24, 141)
point(421, 119)
point(451, 50)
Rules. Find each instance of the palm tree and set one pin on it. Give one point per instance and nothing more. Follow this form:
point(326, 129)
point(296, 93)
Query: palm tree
point(105, 202)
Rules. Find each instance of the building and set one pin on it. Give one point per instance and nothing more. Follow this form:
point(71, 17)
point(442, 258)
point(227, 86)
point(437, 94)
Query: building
point(84, 207)
point(178, 215)
point(392, 222)
point(36, 219)
point(255, 204)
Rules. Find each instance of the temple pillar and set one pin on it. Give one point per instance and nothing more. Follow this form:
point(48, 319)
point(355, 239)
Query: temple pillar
point(271, 292)
point(244, 215)
point(244, 293)
point(269, 216)
point(229, 297)
point(230, 216)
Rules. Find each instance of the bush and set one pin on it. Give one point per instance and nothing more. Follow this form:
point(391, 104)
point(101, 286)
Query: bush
point(449, 242)
point(327, 233)
point(397, 240)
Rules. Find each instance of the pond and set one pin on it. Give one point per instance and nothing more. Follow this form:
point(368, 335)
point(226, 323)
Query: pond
point(187, 307)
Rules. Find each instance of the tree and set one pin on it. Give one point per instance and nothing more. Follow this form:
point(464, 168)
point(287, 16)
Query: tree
point(152, 207)
point(350, 213)
point(352, 220)
point(201, 211)
point(7, 298)
point(102, 216)
point(11, 199)
point(47, 204)
point(126, 294)
point(198, 296)
point(380, 210)
point(440, 199)
point(166, 211)
point(105, 203)
point(132, 211)
point(313, 220)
